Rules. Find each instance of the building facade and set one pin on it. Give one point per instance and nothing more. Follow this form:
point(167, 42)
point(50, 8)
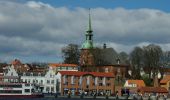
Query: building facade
point(45, 81)
point(63, 67)
point(87, 82)
point(165, 82)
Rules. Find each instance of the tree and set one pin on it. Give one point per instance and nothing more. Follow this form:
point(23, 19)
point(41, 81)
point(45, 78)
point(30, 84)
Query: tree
point(71, 54)
point(136, 59)
point(124, 56)
point(152, 58)
point(165, 59)
point(146, 79)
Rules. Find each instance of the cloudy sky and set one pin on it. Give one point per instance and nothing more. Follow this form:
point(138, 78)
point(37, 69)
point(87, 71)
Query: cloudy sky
point(37, 30)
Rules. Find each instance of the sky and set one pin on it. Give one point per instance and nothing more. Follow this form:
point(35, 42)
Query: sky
point(36, 30)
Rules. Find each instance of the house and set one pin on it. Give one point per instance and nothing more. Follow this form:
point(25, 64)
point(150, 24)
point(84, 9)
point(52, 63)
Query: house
point(134, 83)
point(45, 81)
point(89, 82)
point(165, 82)
point(153, 90)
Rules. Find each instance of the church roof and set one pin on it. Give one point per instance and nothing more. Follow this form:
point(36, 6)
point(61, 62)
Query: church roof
point(110, 56)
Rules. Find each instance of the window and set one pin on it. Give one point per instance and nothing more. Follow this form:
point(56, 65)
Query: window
point(52, 81)
point(47, 89)
point(100, 78)
point(108, 84)
point(27, 84)
point(66, 83)
point(87, 86)
point(11, 92)
point(33, 81)
point(52, 89)
point(27, 90)
point(12, 74)
point(24, 74)
point(36, 81)
point(100, 84)
point(48, 81)
point(108, 78)
point(41, 81)
point(39, 74)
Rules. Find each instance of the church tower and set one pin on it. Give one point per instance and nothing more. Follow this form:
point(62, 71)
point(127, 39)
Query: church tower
point(88, 44)
point(86, 56)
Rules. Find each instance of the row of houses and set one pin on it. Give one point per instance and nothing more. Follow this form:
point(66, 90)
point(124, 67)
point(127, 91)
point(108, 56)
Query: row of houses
point(62, 78)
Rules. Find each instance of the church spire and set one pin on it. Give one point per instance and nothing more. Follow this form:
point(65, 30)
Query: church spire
point(88, 44)
point(89, 26)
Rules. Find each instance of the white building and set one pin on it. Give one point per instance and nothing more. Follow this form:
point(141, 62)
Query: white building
point(45, 81)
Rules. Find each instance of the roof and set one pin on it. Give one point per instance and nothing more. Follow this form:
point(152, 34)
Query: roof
point(153, 89)
point(78, 73)
point(16, 62)
point(139, 83)
point(165, 79)
point(9, 77)
point(112, 58)
point(62, 65)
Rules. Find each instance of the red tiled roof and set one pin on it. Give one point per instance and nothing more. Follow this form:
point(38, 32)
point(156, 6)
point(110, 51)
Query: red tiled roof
point(74, 73)
point(153, 89)
point(139, 83)
point(62, 65)
point(16, 62)
point(78, 73)
point(165, 79)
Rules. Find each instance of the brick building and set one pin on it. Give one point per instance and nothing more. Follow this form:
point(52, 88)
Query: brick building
point(89, 82)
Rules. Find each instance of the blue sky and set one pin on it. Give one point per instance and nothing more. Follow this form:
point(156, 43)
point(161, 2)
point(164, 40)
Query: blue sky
point(129, 4)
point(37, 30)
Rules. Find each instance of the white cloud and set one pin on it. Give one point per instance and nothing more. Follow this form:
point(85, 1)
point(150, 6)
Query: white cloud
point(35, 28)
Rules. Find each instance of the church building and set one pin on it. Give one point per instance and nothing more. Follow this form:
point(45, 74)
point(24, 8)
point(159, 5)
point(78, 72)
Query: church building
point(107, 59)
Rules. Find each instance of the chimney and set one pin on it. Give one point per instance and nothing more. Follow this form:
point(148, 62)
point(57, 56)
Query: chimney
point(118, 61)
point(104, 46)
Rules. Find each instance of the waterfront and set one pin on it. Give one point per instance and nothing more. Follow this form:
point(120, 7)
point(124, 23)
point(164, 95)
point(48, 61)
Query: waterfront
point(85, 98)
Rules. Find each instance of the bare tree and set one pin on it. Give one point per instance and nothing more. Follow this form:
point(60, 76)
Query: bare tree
point(152, 58)
point(136, 61)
